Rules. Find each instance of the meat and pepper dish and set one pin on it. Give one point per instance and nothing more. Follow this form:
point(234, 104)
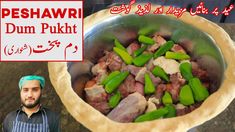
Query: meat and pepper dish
point(152, 78)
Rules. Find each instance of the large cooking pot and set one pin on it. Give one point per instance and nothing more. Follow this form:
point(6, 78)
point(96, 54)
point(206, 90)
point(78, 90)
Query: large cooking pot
point(206, 42)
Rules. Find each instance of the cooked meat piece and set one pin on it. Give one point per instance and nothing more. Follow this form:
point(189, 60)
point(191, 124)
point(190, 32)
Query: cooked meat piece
point(100, 71)
point(114, 62)
point(153, 48)
point(97, 97)
point(132, 69)
point(154, 100)
point(124, 67)
point(132, 47)
point(101, 76)
point(159, 41)
point(160, 91)
point(155, 80)
point(170, 66)
point(102, 106)
point(150, 106)
point(90, 83)
point(181, 110)
point(128, 86)
point(177, 79)
point(174, 91)
point(150, 65)
point(98, 68)
point(198, 72)
point(178, 48)
point(129, 108)
point(139, 87)
point(180, 106)
point(195, 106)
point(140, 75)
point(95, 93)
point(176, 82)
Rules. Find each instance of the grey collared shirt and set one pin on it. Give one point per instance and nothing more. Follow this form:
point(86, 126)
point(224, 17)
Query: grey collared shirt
point(35, 118)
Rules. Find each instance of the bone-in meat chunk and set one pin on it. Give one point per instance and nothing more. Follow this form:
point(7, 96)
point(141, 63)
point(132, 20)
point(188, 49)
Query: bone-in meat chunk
point(129, 108)
point(128, 86)
point(170, 66)
point(114, 62)
point(98, 98)
point(177, 48)
point(132, 47)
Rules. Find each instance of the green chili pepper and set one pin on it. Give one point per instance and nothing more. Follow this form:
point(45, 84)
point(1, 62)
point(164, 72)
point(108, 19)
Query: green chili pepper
point(159, 72)
point(142, 59)
point(166, 99)
point(171, 111)
point(110, 77)
point(115, 82)
point(149, 86)
point(176, 56)
point(163, 49)
point(114, 100)
point(199, 91)
point(140, 50)
point(119, 45)
point(146, 40)
point(152, 115)
point(186, 70)
point(124, 55)
point(186, 95)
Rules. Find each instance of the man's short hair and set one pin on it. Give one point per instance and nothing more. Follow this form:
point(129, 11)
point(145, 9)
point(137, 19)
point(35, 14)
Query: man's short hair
point(24, 79)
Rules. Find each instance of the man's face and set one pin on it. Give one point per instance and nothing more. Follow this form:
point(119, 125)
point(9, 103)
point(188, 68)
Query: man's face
point(30, 93)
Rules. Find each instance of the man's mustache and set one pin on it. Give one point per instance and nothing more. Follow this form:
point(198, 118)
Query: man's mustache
point(30, 99)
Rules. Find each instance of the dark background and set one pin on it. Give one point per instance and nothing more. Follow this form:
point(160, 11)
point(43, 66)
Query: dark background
point(11, 72)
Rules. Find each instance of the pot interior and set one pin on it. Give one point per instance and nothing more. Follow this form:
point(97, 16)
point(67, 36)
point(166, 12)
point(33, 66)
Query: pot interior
point(201, 46)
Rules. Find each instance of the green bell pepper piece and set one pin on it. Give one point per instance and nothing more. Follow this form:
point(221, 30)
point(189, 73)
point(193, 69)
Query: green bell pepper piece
point(186, 70)
point(119, 45)
point(199, 91)
point(146, 40)
point(124, 55)
point(186, 95)
point(166, 99)
point(142, 59)
point(115, 82)
point(159, 72)
point(149, 86)
point(176, 56)
point(114, 100)
point(171, 111)
point(152, 115)
point(140, 51)
point(110, 77)
point(163, 49)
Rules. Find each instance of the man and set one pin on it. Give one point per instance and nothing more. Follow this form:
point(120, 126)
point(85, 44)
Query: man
point(31, 116)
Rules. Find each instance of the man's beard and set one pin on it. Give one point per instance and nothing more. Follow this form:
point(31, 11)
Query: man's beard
point(31, 105)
